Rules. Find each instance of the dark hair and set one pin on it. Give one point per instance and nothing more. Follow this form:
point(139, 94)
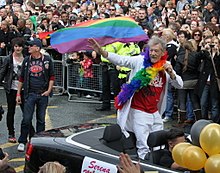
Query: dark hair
point(186, 35)
point(174, 133)
point(18, 41)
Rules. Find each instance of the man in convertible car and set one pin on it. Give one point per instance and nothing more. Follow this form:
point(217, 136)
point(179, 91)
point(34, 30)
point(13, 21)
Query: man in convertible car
point(141, 102)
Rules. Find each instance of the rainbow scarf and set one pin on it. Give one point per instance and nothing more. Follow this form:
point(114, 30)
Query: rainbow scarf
point(142, 78)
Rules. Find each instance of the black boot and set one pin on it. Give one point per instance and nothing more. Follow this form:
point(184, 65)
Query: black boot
point(197, 114)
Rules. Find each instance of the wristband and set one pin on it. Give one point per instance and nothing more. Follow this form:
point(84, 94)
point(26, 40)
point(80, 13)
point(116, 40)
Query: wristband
point(18, 95)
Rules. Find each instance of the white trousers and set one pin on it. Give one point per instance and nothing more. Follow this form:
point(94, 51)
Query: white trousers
point(141, 124)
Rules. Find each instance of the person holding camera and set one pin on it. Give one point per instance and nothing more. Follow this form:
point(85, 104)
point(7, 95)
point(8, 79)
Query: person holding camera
point(9, 73)
point(207, 87)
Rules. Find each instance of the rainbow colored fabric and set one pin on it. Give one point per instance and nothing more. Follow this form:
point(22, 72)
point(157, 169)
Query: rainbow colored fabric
point(104, 31)
point(142, 78)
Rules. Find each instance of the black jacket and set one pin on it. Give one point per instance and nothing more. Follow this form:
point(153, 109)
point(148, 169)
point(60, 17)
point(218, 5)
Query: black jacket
point(207, 69)
point(25, 73)
point(192, 71)
point(6, 73)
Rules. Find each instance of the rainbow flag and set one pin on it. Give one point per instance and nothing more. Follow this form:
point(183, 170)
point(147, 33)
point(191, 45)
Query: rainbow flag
point(105, 31)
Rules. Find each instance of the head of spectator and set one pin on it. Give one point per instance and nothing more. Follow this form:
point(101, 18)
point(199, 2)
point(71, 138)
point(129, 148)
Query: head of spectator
point(27, 14)
point(119, 12)
point(52, 167)
point(21, 24)
point(17, 3)
point(30, 6)
point(194, 15)
point(186, 27)
point(211, 27)
point(207, 41)
point(4, 26)
point(193, 25)
point(206, 34)
point(175, 26)
point(45, 22)
point(104, 15)
point(153, 4)
point(18, 44)
point(182, 36)
point(216, 44)
point(49, 14)
point(8, 8)
point(64, 17)
point(168, 35)
point(29, 24)
point(197, 35)
point(11, 19)
point(67, 8)
point(214, 19)
point(142, 14)
point(112, 11)
point(3, 13)
point(18, 12)
point(182, 14)
point(171, 18)
point(210, 6)
point(34, 47)
point(102, 8)
point(132, 13)
point(56, 17)
point(89, 14)
point(187, 8)
point(169, 5)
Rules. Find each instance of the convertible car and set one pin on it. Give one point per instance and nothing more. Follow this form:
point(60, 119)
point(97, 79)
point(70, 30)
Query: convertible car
point(90, 148)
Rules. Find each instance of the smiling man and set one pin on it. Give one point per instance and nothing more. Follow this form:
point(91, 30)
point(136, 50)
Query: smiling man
point(141, 102)
point(37, 79)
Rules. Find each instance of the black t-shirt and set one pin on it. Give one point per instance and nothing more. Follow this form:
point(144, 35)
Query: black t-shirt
point(166, 159)
point(37, 79)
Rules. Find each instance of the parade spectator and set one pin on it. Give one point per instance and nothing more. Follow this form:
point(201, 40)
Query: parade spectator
point(142, 19)
point(86, 64)
point(207, 88)
point(52, 167)
point(126, 166)
point(6, 35)
point(4, 167)
point(187, 67)
point(10, 72)
point(171, 48)
point(139, 114)
point(37, 79)
point(197, 36)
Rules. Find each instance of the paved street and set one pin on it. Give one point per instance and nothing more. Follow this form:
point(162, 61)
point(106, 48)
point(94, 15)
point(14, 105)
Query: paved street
point(60, 112)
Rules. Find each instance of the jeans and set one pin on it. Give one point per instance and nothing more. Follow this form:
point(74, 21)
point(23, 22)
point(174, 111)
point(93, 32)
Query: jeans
point(209, 102)
point(170, 103)
point(29, 107)
point(189, 109)
point(11, 104)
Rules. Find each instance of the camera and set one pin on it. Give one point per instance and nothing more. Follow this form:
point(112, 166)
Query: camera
point(2, 155)
point(212, 45)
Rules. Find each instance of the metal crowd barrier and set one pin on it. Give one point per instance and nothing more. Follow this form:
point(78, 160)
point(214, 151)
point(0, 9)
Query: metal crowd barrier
point(77, 84)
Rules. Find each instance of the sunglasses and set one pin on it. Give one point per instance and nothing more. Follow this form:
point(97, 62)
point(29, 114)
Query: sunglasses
point(112, 9)
point(196, 34)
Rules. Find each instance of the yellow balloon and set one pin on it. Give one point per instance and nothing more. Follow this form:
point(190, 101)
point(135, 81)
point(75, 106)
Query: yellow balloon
point(194, 158)
point(177, 152)
point(210, 139)
point(212, 164)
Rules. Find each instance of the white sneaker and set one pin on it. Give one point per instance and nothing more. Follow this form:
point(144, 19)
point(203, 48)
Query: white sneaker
point(21, 147)
point(88, 96)
point(167, 119)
